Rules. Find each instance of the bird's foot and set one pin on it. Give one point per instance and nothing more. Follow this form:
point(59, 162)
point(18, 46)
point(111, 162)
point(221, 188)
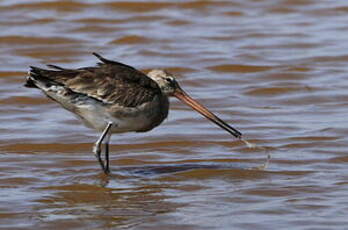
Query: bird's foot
point(106, 170)
point(97, 153)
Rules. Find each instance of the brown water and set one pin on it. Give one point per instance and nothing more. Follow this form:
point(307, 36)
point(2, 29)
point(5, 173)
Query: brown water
point(276, 70)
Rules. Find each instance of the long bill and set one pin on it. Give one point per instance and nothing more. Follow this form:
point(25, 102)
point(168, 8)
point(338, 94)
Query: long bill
point(184, 97)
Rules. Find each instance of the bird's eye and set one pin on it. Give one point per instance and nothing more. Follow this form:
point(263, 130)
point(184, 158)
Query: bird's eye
point(168, 79)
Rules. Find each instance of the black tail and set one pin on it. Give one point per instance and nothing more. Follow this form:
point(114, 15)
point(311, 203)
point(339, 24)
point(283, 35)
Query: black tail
point(36, 75)
point(30, 80)
point(29, 83)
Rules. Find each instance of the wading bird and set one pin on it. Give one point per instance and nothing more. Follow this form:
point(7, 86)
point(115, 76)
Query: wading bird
point(115, 98)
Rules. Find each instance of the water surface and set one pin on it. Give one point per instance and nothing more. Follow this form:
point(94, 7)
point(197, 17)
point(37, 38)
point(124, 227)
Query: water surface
point(276, 70)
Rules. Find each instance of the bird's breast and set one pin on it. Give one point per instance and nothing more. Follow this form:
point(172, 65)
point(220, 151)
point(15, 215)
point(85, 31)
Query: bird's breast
point(141, 118)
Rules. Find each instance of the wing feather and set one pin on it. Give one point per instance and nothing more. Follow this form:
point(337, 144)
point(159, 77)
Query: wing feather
point(110, 82)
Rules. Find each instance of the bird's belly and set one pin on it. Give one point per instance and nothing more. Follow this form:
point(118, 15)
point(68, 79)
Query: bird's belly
point(134, 124)
point(139, 119)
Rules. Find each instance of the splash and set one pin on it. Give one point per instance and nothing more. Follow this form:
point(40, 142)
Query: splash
point(254, 146)
point(250, 145)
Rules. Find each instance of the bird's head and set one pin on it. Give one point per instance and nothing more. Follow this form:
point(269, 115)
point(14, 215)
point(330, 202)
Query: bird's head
point(170, 87)
point(165, 81)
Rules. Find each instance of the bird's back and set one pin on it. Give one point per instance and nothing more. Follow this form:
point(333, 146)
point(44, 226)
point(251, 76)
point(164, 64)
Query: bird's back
point(111, 89)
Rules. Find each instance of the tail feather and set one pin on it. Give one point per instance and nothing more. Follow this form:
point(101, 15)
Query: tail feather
point(36, 78)
point(36, 71)
point(30, 83)
point(30, 79)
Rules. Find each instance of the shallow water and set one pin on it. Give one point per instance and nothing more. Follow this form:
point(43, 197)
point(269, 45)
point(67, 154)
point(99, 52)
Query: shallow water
point(276, 70)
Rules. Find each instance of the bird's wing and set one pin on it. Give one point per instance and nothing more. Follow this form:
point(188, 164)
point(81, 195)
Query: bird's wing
point(110, 82)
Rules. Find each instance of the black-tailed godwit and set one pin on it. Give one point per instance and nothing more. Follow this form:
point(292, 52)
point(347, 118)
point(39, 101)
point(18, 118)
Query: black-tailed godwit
point(115, 98)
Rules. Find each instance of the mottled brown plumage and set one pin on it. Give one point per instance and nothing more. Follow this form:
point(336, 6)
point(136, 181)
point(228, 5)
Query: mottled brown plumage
point(110, 82)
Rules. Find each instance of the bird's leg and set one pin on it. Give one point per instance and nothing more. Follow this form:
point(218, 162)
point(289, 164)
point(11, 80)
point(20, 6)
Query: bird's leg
point(107, 140)
point(97, 146)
